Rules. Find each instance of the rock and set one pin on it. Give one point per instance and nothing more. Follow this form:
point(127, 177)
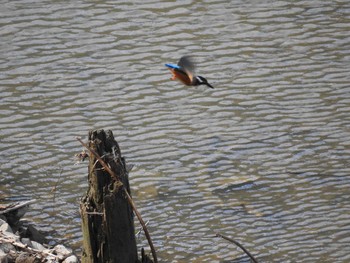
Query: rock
point(71, 259)
point(21, 211)
point(35, 235)
point(26, 258)
point(6, 247)
point(50, 259)
point(2, 221)
point(37, 246)
point(5, 227)
point(61, 251)
point(52, 243)
point(3, 218)
point(3, 257)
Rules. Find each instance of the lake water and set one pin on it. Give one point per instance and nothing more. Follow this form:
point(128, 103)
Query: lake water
point(263, 158)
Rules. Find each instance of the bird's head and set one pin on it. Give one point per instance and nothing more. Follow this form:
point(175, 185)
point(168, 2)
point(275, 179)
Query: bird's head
point(199, 80)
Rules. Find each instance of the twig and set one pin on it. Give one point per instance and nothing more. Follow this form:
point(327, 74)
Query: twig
point(131, 202)
point(238, 245)
point(54, 188)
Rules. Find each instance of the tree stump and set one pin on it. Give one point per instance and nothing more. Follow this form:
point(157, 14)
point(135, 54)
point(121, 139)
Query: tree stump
point(107, 217)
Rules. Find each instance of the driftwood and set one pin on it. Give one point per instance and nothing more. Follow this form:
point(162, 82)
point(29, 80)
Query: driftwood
point(4, 209)
point(38, 253)
point(14, 211)
point(107, 208)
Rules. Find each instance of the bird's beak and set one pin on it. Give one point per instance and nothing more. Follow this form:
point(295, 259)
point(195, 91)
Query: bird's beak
point(210, 86)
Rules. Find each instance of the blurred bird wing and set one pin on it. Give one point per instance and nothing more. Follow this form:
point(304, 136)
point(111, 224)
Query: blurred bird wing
point(187, 65)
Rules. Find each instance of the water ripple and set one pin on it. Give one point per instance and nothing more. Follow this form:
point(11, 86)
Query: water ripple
point(261, 158)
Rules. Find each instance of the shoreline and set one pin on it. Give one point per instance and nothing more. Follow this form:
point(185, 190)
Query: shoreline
point(23, 243)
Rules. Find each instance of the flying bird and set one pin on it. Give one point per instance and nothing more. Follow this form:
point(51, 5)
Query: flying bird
point(184, 72)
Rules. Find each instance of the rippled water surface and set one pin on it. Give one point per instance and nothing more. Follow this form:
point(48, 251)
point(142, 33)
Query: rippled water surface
point(263, 158)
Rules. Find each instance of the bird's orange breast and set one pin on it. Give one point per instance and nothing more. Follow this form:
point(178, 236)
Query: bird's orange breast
point(180, 75)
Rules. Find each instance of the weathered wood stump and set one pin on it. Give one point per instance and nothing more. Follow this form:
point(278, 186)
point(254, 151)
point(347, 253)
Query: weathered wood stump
point(107, 217)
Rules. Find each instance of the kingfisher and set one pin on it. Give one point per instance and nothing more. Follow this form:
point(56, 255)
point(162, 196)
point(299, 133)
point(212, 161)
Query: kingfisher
point(184, 71)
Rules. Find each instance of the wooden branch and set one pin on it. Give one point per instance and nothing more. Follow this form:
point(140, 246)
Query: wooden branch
point(144, 227)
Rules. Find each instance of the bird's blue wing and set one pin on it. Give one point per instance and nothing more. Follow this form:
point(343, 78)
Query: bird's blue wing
point(173, 66)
